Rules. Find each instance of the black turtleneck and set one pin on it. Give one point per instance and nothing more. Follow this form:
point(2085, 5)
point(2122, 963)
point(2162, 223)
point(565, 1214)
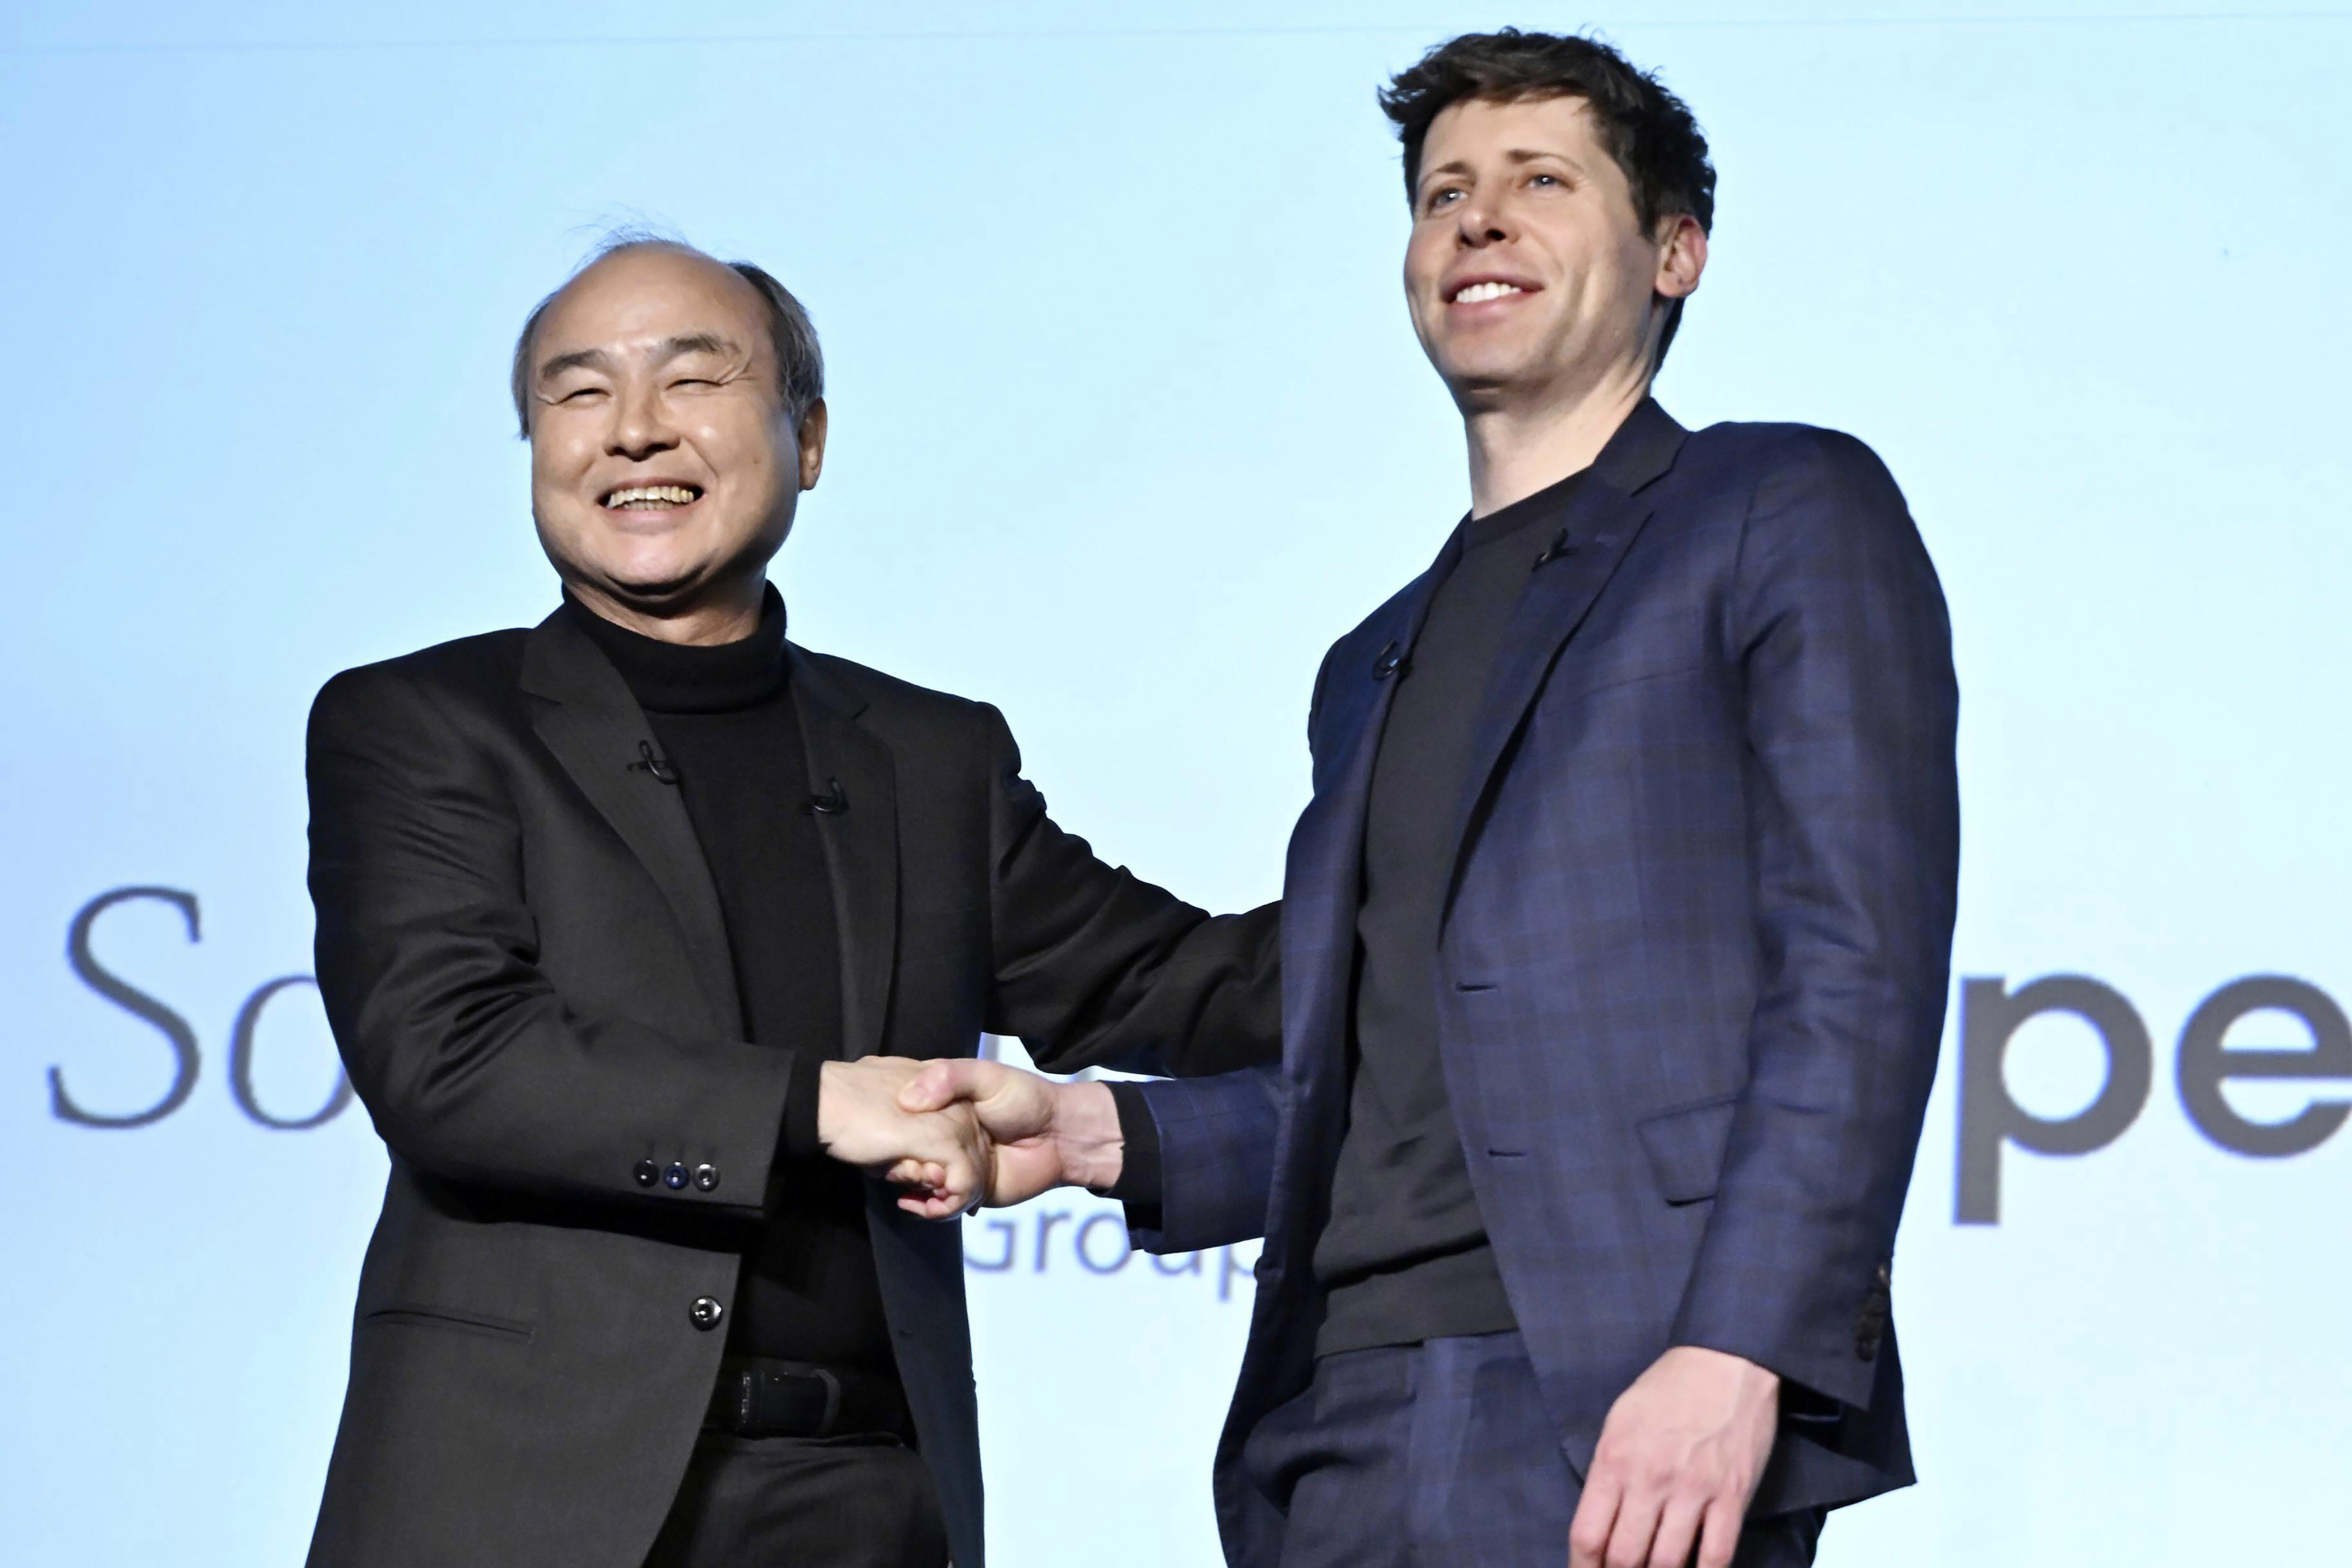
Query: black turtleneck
point(724, 718)
point(1404, 1255)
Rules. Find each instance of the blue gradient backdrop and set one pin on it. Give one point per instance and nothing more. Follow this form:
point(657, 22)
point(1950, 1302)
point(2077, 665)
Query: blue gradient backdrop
point(1128, 425)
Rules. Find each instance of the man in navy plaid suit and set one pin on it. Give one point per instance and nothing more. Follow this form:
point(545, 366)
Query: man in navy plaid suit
point(1616, 937)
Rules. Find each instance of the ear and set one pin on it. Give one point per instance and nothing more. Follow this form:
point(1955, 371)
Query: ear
point(1682, 256)
point(811, 444)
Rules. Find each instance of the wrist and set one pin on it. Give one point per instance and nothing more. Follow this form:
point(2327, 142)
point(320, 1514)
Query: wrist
point(828, 1092)
point(1086, 1134)
point(835, 1086)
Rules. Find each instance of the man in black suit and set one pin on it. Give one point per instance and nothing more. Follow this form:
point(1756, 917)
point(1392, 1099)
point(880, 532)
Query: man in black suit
point(631, 927)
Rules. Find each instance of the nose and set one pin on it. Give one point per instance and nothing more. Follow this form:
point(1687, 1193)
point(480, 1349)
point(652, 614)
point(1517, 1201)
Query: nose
point(1481, 220)
point(641, 426)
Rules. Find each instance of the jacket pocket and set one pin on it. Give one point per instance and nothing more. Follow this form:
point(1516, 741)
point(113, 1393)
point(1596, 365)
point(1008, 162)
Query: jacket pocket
point(1685, 1147)
point(415, 1316)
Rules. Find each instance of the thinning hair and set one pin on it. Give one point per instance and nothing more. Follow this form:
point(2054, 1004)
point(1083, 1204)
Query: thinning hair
point(800, 362)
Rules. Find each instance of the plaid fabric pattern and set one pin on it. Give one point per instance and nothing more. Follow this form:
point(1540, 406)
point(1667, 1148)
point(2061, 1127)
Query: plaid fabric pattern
point(1219, 1131)
point(1439, 1454)
point(1692, 973)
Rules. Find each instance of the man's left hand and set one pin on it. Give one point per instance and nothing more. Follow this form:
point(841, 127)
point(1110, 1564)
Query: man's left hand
point(1678, 1460)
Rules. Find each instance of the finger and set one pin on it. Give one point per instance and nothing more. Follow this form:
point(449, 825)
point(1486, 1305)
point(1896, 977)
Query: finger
point(963, 1179)
point(1636, 1527)
point(938, 1200)
point(930, 1205)
point(909, 1174)
point(1596, 1515)
point(1679, 1526)
point(1720, 1535)
point(940, 1084)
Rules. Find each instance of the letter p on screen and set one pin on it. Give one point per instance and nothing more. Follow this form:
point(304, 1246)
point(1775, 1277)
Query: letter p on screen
point(1990, 1015)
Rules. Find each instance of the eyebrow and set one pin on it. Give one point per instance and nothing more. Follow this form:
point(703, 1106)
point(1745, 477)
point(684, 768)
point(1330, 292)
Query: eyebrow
point(578, 359)
point(669, 349)
point(1514, 155)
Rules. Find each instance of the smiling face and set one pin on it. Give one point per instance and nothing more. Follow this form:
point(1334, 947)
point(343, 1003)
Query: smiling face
point(1529, 273)
point(663, 466)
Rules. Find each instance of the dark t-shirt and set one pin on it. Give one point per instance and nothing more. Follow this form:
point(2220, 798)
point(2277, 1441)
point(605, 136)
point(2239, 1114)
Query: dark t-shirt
point(1404, 1256)
point(724, 719)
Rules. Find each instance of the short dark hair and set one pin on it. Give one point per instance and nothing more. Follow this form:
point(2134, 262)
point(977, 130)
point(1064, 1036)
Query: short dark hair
point(800, 362)
point(1647, 130)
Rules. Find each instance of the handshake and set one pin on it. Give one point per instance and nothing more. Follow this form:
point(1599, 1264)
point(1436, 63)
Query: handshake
point(958, 1133)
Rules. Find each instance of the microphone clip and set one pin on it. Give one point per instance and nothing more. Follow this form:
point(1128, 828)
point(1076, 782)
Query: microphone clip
point(659, 767)
point(1558, 548)
point(832, 803)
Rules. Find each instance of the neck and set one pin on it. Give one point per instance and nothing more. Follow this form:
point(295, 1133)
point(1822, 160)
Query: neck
point(1521, 445)
point(725, 613)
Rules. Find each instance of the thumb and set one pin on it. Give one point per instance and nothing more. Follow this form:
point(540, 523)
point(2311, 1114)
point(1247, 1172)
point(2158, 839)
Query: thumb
point(940, 1085)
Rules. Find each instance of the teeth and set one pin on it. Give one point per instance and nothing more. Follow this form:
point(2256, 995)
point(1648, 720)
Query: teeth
point(651, 495)
point(1478, 292)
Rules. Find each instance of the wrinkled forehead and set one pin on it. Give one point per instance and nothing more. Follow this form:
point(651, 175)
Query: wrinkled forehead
point(639, 303)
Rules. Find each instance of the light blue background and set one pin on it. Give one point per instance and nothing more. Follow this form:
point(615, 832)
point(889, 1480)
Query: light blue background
point(1127, 425)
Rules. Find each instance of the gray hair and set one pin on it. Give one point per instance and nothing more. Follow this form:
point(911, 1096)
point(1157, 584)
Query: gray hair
point(799, 364)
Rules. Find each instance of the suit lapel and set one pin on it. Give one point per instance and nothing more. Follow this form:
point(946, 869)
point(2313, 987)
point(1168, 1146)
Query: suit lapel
point(1359, 697)
point(853, 788)
point(594, 726)
point(1322, 883)
point(1606, 515)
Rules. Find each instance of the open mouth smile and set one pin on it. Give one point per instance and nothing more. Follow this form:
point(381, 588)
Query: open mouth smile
point(652, 498)
point(1487, 288)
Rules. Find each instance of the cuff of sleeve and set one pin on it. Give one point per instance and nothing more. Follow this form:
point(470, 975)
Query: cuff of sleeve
point(800, 1107)
point(1139, 1183)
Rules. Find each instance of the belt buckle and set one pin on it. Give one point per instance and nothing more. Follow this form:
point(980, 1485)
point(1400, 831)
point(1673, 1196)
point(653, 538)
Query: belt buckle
point(776, 1401)
point(832, 1416)
point(771, 1401)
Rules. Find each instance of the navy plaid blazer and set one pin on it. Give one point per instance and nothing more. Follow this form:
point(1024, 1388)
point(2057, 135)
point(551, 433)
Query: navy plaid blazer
point(1692, 970)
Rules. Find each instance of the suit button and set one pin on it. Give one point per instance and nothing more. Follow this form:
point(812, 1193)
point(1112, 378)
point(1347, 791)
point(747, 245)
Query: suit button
point(705, 1313)
point(706, 1178)
point(647, 1172)
point(675, 1177)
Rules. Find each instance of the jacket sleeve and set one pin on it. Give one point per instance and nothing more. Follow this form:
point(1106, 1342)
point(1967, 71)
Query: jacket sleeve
point(1095, 967)
point(469, 1062)
point(1853, 826)
point(1216, 1140)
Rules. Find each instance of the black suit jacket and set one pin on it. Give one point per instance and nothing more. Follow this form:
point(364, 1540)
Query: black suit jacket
point(521, 954)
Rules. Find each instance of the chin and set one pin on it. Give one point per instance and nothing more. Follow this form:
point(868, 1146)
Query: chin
point(653, 582)
point(1480, 374)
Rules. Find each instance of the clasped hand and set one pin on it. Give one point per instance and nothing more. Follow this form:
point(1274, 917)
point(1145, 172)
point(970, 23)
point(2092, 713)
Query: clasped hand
point(953, 1135)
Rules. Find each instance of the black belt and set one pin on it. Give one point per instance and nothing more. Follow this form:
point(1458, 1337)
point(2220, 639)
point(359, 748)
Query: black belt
point(757, 1397)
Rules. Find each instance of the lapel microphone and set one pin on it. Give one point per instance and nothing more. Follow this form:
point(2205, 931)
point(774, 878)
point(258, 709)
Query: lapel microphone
point(1558, 549)
point(831, 804)
point(661, 769)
